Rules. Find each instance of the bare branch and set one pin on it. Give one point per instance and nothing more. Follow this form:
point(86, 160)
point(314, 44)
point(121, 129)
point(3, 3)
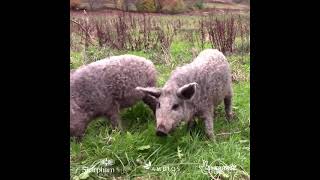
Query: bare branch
point(87, 33)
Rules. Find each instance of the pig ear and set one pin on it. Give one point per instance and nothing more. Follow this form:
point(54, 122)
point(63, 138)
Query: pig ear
point(187, 91)
point(153, 91)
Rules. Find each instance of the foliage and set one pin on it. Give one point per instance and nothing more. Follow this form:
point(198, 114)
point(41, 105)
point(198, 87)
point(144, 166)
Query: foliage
point(119, 4)
point(199, 4)
point(132, 7)
point(173, 7)
point(146, 6)
point(74, 4)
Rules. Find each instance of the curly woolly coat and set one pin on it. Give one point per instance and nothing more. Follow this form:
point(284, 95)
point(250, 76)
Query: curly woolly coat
point(194, 89)
point(104, 87)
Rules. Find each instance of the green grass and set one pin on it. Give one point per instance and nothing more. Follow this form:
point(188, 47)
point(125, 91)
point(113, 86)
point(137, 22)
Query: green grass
point(102, 143)
point(181, 152)
point(178, 156)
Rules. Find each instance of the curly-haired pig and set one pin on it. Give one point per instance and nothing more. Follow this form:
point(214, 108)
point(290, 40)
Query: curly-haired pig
point(104, 87)
point(193, 90)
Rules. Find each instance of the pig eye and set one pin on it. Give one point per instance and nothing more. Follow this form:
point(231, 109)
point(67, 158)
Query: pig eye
point(175, 106)
point(158, 105)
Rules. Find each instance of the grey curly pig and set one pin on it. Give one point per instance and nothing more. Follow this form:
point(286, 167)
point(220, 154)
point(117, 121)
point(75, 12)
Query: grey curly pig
point(104, 87)
point(193, 90)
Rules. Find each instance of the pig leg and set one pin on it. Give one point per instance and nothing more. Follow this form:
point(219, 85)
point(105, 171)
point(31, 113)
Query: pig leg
point(228, 107)
point(78, 132)
point(191, 125)
point(116, 121)
point(78, 125)
point(215, 113)
point(113, 115)
point(207, 117)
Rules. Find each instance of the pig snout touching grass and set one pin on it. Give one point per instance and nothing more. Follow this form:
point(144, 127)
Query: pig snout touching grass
point(193, 90)
point(104, 87)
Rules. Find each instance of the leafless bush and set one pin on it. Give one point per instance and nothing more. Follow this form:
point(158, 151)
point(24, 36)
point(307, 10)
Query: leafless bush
point(141, 32)
point(202, 33)
point(244, 33)
point(222, 33)
point(127, 32)
point(83, 27)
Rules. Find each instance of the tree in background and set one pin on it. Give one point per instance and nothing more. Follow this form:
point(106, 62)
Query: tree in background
point(146, 6)
point(96, 4)
point(74, 4)
point(172, 6)
point(121, 4)
point(164, 6)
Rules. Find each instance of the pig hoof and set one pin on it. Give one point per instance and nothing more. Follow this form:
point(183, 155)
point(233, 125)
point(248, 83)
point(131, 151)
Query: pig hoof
point(117, 128)
point(191, 126)
point(214, 140)
point(78, 139)
point(211, 137)
point(229, 117)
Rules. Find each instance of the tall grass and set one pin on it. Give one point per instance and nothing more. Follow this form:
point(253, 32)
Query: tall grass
point(127, 31)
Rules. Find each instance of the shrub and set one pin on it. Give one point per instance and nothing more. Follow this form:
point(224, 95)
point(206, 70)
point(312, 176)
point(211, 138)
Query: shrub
point(119, 4)
point(242, 1)
point(146, 6)
point(96, 4)
point(222, 33)
point(132, 7)
point(173, 7)
point(180, 7)
point(199, 4)
point(74, 4)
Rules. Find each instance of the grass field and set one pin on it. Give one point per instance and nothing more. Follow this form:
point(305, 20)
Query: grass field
point(137, 153)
